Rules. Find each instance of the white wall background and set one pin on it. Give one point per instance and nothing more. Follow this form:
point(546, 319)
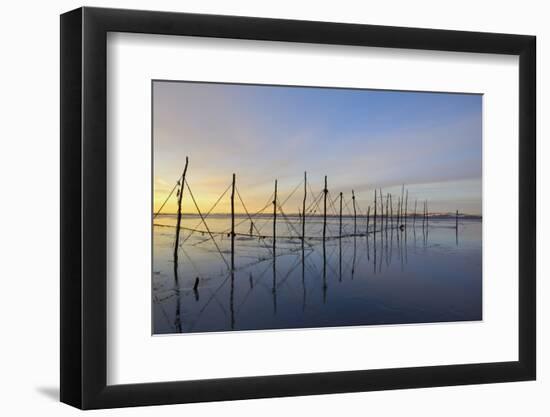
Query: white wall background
point(29, 176)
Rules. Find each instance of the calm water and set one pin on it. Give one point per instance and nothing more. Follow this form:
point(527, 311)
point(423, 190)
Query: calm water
point(396, 277)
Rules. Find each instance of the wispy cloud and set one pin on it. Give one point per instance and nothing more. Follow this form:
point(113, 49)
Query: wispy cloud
point(361, 140)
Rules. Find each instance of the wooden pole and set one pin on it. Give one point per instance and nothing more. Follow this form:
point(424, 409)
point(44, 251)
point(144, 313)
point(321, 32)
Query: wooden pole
point(325, 190)
point(178, 221)
point(456, 229)
point(304, 210)
point(381, 210)
point(427, 215)
point(414, 216)
point(424, 215)
point(375, 205)
point(341, 196)
point(368, 220)
point(391, 213)
point(406, 206)
point(324, 244)
point(398, 212)
point(402, 199)
point(387, 209)
point(425, 212)
point(274, 287)
point(233, 223)
point(381, 215)
point(354, 213)
point(274, 216)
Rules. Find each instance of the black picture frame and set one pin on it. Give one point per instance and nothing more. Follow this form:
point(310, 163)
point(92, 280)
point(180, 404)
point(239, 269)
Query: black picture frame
point(84, 207)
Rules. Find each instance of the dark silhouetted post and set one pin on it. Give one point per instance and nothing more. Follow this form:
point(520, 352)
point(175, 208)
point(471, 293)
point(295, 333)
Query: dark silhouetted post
point(406, 206)
point(381, 211)
point(178, 221)
point(391, 213)
point(387, 209)
point(398, 212)
point(354, 213)
point(304, 210)
point(274, 286)
point(401, 201)
point(368, 220)
point(427, 215)
point(274, 218)
point(303, 243)
point(341, 196)
point(424, 216)
point(325, 190)
point(233, 223)
point(324, 244)
point(456, 229)
point(381, 218)
point(375, 204)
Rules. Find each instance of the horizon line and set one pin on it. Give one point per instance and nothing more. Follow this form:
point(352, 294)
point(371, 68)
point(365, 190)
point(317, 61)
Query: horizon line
point(453, 214)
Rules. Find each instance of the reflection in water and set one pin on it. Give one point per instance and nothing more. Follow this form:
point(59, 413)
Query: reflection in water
point(231, 300)
point(354, 255)
point(177, 318)
point(340, 260)
point(438, 281)
point(324, 272)
point(304, 291)
point(274, 287)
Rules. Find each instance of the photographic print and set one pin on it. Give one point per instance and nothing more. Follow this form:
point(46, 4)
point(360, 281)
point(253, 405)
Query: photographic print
point(284, 207)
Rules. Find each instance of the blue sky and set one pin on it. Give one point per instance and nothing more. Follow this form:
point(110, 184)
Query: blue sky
point(361, 139)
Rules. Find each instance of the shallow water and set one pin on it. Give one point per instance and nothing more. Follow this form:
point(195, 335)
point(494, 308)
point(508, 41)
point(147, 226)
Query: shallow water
point(394, 277)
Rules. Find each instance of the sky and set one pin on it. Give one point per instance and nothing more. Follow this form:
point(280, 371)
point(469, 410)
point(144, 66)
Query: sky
point(360, 139)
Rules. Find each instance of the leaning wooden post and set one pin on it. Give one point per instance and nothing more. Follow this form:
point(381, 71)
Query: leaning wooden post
point(178, 221)
point(341, 196)
point(304, 210)
point(325, 190)
point(233, 223)
point(354, 213)
point(274, 217)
